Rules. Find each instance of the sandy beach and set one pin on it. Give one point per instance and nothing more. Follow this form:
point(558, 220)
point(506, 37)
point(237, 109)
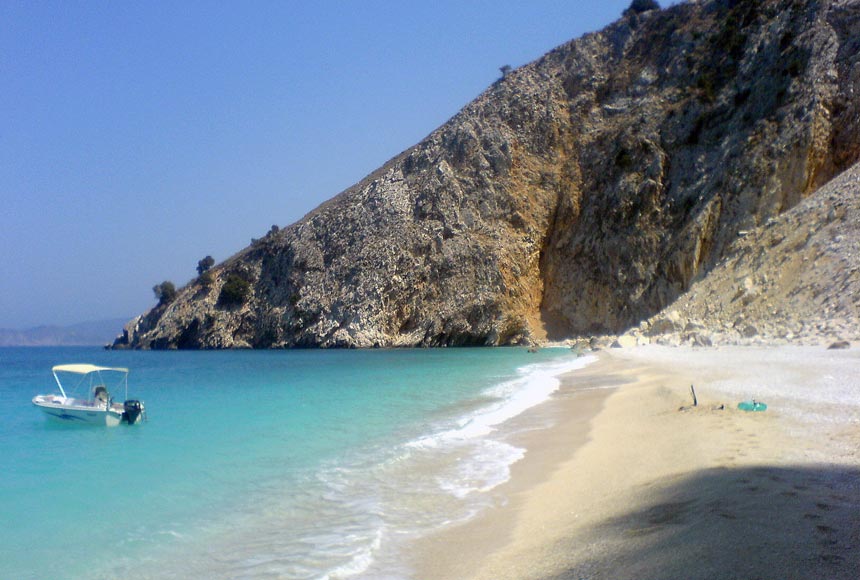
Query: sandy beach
point(629, 480)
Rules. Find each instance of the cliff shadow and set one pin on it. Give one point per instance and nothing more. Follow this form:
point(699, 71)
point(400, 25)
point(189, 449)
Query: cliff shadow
point(747, 523)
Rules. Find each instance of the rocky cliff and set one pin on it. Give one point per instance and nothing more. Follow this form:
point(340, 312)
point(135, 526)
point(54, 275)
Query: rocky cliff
point(582, 193)
point(794, 279)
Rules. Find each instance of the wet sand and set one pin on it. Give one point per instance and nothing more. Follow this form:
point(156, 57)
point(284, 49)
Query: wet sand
point(632, 481)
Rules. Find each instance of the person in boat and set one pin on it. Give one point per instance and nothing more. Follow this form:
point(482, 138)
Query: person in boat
point(100, 396)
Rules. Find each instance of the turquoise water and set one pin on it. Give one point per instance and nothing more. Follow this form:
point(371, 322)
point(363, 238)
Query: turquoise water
point(258, 464)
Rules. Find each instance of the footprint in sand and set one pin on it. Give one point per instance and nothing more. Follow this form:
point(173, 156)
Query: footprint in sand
point(830, 558)
point(669, 513)
point(722, 509)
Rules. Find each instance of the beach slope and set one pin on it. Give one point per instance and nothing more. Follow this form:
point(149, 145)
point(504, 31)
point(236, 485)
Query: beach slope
point(663, 489)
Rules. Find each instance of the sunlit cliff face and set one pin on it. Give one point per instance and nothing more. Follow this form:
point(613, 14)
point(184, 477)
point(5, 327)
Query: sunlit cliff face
point(581, 194)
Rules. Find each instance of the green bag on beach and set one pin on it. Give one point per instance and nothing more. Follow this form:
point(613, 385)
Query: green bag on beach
point(752, 406)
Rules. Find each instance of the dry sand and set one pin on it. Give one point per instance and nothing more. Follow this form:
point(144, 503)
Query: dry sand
point(645, 489)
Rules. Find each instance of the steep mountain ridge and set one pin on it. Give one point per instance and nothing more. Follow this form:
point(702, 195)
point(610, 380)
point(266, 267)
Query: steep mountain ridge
point(582, 193)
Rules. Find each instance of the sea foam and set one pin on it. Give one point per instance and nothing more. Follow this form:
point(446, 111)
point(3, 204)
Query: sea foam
point(535, 385)
point(436, 479)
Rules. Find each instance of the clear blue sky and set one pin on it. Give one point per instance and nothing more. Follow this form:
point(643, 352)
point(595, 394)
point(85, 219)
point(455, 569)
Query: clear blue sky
point(138, 137)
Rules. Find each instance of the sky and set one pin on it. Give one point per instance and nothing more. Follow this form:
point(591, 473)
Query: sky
point(138, 137)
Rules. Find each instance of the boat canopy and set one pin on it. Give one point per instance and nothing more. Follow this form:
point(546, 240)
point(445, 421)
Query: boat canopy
point(87, 375)
point(85, 369)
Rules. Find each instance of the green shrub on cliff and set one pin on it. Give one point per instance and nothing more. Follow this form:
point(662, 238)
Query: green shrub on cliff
point(638, 6)
point(234, 291)
point(204, 265)
point(165, 292)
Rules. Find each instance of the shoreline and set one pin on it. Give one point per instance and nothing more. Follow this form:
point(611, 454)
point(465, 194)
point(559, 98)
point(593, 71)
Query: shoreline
point(451, 553)
point(623, 484)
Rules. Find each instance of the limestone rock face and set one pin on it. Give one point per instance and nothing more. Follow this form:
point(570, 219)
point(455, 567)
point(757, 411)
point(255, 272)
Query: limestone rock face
point(581, 194)
point(794, 279)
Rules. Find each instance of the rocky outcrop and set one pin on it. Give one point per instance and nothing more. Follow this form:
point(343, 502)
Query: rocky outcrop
point(794, 279)
point(582, 193)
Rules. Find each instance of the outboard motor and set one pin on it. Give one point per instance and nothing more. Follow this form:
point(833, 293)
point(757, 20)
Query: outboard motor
point(133, 411)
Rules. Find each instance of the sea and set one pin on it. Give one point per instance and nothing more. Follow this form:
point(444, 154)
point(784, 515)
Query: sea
point(298, 464)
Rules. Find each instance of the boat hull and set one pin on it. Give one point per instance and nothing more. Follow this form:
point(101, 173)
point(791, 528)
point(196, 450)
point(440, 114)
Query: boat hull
point(61, 410)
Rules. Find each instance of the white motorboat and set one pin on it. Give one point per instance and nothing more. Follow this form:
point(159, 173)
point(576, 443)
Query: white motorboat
point(96, 407)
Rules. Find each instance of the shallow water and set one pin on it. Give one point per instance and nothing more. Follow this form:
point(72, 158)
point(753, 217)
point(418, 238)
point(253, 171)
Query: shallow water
point(257, 464)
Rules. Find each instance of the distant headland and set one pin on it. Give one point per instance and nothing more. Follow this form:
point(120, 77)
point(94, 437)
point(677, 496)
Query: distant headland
point(91, 333)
